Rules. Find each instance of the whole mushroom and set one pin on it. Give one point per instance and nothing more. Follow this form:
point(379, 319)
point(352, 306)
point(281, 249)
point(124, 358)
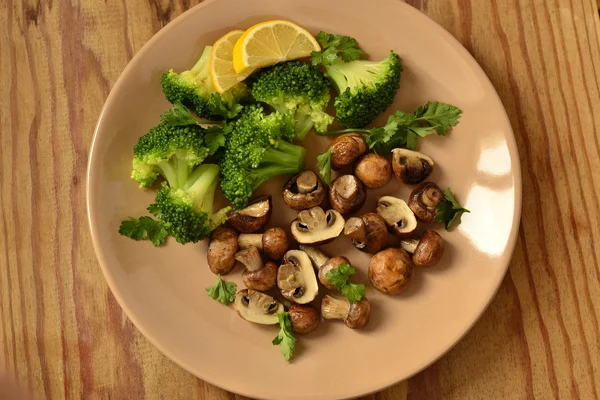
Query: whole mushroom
point(347, 194)
point(253, 217)
point(368, 232)
point(397, 215)
point(273, 243)
point(390, 270)
point(304, 318)
point(411, 166)
point(426, 251)
point(257, 307)
point(263, 279)
point(304, 190)
point(221, 250)
point(346, 149)
point(373, 170)
point(354, 315)
point(316, 226)
point(296, 278)
point(323, 264)
point(423, 201)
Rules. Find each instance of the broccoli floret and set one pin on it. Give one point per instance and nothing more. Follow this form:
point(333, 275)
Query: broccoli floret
point(366, 88)
point(297, 89)
point(255, 152)
point(195, 90)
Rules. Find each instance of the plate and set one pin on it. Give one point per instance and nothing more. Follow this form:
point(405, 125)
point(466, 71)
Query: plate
point(162, 289)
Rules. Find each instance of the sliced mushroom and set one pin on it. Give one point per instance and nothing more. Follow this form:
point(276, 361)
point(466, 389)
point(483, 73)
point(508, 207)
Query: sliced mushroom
point(304, 318)
point(427, 251)
point(368, 232)
point(316, 226)
point(390, 270)
point(221, 250)
point(423, 201)
point(250, 257)
point(273, 243)
point(304, 191)
point(411, 166)
point(373, 170)
point(323, 264)
point(397, 215)
point(347, 194)
point(296, 278)
point(354, 315)
point(253, 217)
point(257, 307)
point(263, 279)
point(346, 149)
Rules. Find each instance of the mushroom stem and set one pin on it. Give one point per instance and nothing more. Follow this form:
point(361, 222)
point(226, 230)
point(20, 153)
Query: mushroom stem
point(355, 229)
point(306, 182)
point(246, 240)
point(332, 308)
point(431, 197)
point(409, 245)
point(251, 258)
point(317, 257)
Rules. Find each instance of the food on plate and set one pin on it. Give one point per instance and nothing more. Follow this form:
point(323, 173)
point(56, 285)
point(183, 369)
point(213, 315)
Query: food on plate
point(257, 307)
point(373, 170)
point(252, 218)
point(273, 242)
point(251, 258)
point(323, 263)
point(449, 210)
point(424, 200)
point(222, 249)
point(411, 166)
point(222, 291)
point(262, 279)
point(296, 278)
point(324, 166)
point(427, 250)
point(355, 316)
point(303, 191)
point(339, 277)
point(316, 226)
point(346, 149)
point(368, 232)
point(304, 318)
point(298, 90)
point(390, 270)
point(222, 73)
point(347, 194)
point(285, 338)
point(397, 215)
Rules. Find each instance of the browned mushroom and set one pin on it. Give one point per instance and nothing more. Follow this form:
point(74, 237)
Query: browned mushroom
point(390, 270)
point(221, 250)
point(303, 191)
point(347, 194)
point(346, 149)
point(397, 215)
point(263, 279)
point(426, 251)
point(323, 264)
point(273, 243)
point(373, 170)
point(316, 226)
point(354, 315)
point(253, 217)
point(304, 318)
point(411, 166)
point(423, 201)
point(368, 232)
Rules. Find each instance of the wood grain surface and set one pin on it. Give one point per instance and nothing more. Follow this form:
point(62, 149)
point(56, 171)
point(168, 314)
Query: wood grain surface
point(62, 333)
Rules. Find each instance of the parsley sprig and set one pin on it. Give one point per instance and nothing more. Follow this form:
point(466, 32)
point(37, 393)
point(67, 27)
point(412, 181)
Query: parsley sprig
point(222, 291)
point(340, 278)
point(324, 165)
point(449, 210)
point(144, 228)
point(335, 47)
point(285, 339)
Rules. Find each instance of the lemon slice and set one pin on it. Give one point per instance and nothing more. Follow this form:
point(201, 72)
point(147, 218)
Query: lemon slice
point(271, 42)
point(222, 74)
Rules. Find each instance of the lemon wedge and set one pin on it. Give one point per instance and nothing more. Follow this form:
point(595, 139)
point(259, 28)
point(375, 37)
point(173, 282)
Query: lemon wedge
point(222, 73)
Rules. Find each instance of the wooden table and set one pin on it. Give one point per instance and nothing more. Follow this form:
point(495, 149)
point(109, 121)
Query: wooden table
point(62, 333)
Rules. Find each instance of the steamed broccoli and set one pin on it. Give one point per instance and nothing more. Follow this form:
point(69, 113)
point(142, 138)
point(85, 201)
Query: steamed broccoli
point(195, 90)
point(297, 89)
point(255, 152)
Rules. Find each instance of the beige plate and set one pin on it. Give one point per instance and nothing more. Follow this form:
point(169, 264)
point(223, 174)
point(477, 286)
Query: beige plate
point(162, 289)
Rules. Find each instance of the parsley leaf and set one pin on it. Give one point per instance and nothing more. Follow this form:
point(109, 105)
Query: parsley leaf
point(324, 165)
point(285, 339)
point(449, 209)
point(217, 107)
point(340, 278)
point(439, 116)
point(144, 228)
point(335, 47)
point(179, 115)
point(222, 291)
point(214, 137)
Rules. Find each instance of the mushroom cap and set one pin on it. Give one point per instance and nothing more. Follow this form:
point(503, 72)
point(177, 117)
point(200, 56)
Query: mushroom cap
point(253, 217)
point(347, 194)
point(398, 216)
point(304, 318)
point(423, 201)
point(358, 314)
point(316, 226)
point(275, 243)
point(411, 166)
point(368, 232)
point(257, 307)
point(346, 149)
point(333, 262)
point(304, 190)
point(262, 280)
point(390, 270)
point(430, 249)
point(296, 278)
point(373, 170)
point(221, 250)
